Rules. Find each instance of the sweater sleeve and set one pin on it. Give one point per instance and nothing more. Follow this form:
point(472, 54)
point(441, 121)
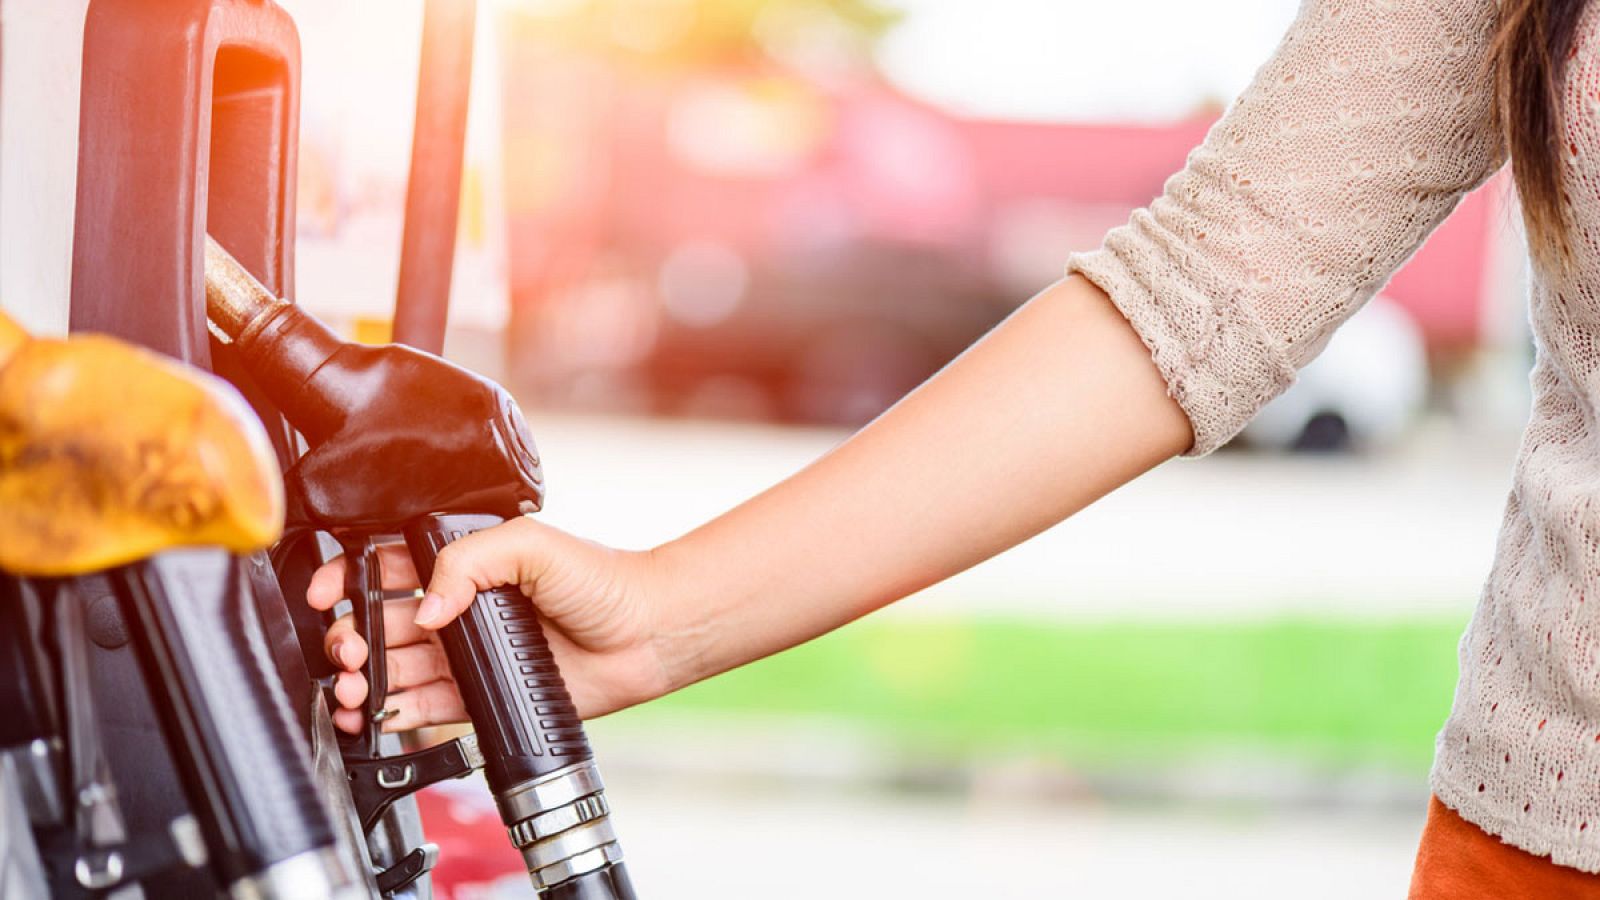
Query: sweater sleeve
point(1352, 143)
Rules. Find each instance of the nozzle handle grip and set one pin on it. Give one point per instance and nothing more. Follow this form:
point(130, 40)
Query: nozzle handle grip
point(526, 724)
point(241, 758)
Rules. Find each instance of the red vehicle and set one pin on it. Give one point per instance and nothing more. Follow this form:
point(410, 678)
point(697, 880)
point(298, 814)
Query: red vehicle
point(748, 242)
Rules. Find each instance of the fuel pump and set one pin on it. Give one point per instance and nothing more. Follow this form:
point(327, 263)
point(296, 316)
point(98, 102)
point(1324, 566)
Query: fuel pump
point(126, 469)
point(379, 465)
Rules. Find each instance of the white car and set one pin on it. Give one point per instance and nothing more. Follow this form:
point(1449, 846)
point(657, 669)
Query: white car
point(1363, 391)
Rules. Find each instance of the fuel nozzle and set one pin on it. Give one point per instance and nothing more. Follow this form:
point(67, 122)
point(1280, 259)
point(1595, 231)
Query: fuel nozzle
point(444, 439)
point(404, 442)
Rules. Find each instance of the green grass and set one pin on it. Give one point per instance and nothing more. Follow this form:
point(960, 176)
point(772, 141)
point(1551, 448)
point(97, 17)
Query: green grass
point(1327, 691)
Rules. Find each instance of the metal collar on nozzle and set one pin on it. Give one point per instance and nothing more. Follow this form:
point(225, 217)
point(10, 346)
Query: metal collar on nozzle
point(234, 298)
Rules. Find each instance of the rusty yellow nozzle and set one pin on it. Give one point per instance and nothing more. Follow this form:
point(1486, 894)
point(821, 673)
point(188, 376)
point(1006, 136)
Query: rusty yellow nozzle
point(234, 298)
point(110, 453)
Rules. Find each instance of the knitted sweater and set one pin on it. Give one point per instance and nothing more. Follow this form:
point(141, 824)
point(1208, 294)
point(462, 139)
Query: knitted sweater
point(1351, 144)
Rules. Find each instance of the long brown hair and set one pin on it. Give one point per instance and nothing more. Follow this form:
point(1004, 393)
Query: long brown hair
point(1530, 54)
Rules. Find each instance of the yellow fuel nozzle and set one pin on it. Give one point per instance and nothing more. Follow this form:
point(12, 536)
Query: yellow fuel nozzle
point(110, 453)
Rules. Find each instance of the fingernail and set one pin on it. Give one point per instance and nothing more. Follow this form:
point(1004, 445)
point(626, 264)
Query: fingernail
point(341, 654)
point(431, 610)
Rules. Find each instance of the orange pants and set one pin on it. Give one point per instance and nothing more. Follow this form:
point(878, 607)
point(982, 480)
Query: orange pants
point(1460, 861)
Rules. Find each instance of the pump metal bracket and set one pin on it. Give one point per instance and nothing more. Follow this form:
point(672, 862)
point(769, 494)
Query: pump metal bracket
point(377, 782)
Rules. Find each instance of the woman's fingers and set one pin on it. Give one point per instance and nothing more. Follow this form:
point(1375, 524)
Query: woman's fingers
point(418, 674)
point(347, 721)
point(416, 665)
point(430, 704)
point(327, 583)
point(345, 649)
point(408, 667)
point(433, 703)
point(350, 689)
point(414, 661)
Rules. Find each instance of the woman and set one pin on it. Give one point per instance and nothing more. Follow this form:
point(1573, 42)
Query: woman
point(1356, 139)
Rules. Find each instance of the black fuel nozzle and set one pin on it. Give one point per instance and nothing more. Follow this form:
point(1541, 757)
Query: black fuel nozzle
point(404, 442)
point(394, 433)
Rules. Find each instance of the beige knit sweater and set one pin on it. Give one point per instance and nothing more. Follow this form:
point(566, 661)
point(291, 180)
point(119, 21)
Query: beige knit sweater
point(1351, 144)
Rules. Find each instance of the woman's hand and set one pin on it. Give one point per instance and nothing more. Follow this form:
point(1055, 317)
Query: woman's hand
point(596, 604)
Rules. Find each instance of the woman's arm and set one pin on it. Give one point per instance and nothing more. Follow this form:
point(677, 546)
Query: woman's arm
point(1054, 408)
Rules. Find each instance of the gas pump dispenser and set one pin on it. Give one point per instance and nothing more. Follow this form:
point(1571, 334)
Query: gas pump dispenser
point(188, 130)
point(189, 126)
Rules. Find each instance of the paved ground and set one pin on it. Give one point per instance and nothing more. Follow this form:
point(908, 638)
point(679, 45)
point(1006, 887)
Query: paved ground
point(695, 840)
point(783, 845)
point(1409, 531)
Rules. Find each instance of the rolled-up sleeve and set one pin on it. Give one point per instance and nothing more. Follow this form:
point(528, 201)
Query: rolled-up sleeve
point(1352, 143)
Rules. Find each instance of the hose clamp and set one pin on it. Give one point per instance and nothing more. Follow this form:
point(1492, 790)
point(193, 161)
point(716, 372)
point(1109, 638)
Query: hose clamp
point(562, 824)
point(547, 792)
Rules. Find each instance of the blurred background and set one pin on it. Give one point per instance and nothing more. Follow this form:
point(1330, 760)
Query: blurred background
point(703, 239)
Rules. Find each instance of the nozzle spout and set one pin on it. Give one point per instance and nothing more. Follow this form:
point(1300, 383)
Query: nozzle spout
point(234, 298)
